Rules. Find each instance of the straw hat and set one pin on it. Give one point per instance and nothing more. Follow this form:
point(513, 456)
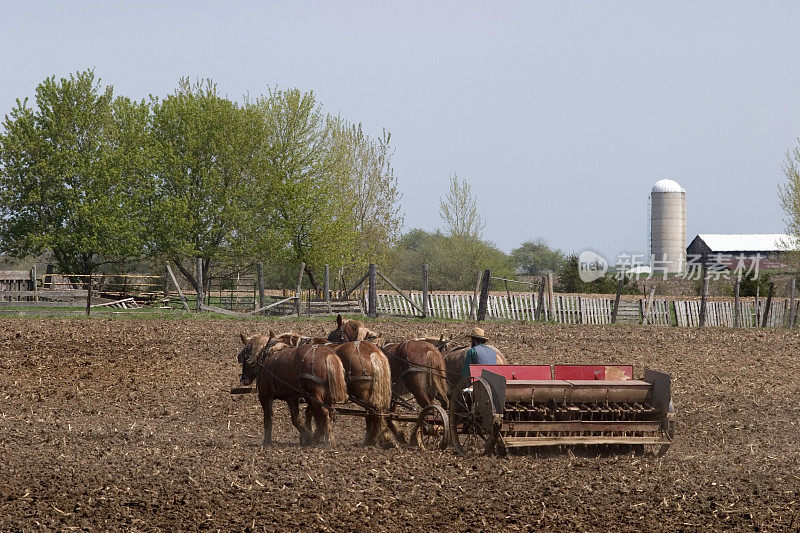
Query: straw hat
point(478, 333)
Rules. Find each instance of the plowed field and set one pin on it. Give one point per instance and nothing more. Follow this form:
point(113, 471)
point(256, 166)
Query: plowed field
point(109, 424)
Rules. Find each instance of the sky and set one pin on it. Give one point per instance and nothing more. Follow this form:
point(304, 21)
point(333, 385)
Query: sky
point(561, 115)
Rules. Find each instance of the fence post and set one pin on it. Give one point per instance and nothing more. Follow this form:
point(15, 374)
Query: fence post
point(199, 275)
point(484, 297)
point(704, 296)
point(550, 295)
point(34, 288)
point(297, 292)
point(262, 300)
point(89, 295)
point(616, 300)
point(791, 304)
point(425, 290)
point(177, 288)
point(473, 308)
point(372, 309)
point(736, 299)
point(166, 284)
point(648, 308)
point(48, 277)
point(326, 287)
point(767, 305)
point(540, 303)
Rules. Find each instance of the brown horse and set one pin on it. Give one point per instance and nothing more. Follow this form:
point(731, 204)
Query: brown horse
point(369, 383)
point(417, 368)
point(454, 354)
point(288, 373)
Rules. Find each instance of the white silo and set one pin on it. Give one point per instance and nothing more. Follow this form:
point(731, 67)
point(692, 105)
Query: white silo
point(668, 227)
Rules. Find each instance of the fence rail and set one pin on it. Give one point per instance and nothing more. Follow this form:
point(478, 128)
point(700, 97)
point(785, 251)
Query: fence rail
point(578, 309)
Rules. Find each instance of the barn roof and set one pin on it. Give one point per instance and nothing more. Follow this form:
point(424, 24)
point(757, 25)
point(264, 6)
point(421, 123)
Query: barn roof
point(749, 242)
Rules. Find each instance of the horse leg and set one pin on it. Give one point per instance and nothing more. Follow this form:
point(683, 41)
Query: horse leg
point(308, 418)
point(371, 429)
point(266, 406)
point(398, 433)
point(380, 432)
point(417, 386)
point(323, 419)
point(294, 411)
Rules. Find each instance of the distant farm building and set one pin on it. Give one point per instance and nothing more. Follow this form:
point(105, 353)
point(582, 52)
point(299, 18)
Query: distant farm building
point(772, 247)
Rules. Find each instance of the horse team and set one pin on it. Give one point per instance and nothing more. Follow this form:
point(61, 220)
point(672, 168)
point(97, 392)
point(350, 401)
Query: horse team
point(352, 364)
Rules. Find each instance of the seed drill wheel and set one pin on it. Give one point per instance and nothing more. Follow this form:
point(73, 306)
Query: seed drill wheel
point(432, 431)
point(472, 429)
point(669, 429)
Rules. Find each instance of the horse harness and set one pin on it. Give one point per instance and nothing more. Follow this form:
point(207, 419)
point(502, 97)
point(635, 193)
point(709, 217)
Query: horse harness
point(412, 367)
point(301, 393)
point(312, 376)
point(365, 376)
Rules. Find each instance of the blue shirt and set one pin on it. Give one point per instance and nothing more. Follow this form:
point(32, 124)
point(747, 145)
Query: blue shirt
point(478, 355)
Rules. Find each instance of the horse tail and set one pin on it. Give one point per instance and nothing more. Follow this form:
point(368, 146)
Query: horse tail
point(437, 376)
point(337, 383)
point(381, 396)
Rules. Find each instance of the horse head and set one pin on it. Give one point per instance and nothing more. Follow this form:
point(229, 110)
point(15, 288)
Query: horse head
point(256, 349)
point(352, 330)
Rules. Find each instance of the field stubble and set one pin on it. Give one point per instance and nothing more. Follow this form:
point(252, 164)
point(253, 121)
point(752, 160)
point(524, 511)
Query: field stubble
point(108, 424)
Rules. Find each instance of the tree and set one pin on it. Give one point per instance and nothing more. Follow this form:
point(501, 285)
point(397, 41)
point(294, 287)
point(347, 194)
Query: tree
point(459, 211)
point(789, 195)
point(306, 166)
point(535, 257)
point(73, 172)
point(568, 280)
point(453, 261)
point(372, 189)
point(207, 149)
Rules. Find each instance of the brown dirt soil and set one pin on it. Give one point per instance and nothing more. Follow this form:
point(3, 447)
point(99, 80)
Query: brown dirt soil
point(128, 424)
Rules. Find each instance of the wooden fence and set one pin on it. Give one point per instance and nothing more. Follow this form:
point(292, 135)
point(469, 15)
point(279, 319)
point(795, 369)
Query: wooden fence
point(25, 289)
point(578, 309)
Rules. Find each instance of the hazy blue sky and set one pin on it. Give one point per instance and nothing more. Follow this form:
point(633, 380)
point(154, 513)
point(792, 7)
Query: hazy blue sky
point(561, 115)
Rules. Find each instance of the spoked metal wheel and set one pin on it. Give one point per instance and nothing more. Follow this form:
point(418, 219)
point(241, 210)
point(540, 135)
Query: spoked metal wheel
point(472, 409)
point(432, 431)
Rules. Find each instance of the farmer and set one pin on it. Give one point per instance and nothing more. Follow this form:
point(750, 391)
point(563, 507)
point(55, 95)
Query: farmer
point(480, 353)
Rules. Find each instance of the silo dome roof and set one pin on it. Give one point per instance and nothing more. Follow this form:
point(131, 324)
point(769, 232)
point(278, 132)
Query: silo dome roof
point(667, 186)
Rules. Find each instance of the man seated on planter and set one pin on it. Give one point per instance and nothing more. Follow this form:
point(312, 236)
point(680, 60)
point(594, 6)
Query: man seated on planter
point(480, 353)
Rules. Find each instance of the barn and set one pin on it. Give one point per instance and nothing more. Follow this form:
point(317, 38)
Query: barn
point(771, 247)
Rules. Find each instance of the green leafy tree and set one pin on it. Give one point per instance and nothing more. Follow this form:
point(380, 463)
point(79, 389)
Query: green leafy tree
point(453, 261)
point(568, 280)
point(73, 172)
point(305, 201)
point(750, 287)
point(372, 189)
point(535, 257)
point(207, 151)
point(789, 195)
point(459, 211)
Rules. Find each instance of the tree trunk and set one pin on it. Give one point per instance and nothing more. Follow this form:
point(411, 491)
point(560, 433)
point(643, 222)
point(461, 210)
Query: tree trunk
point(186, 273)
point(206, 276)
point(312, 278)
